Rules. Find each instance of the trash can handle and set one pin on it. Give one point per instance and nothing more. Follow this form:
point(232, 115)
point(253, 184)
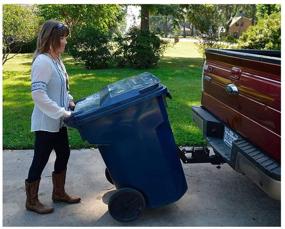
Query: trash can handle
point(168, 95)
point(149, 88)
point(68, 119)
point(72, 118)
point(79, 100)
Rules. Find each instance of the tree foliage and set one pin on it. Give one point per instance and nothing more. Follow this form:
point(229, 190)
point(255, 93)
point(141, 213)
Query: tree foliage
point(177, 13)
point(100, 16)
point(174, 11)
point(20, 25)
point(228, 11)
point(209, 17)
point(266, 34)
point(167, 19)
point(267, 9)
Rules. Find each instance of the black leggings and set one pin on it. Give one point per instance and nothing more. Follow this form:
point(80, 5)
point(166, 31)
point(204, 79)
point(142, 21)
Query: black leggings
point(45, 142)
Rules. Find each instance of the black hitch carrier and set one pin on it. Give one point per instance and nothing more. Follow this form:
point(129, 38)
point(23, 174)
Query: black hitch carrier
point(201, 154)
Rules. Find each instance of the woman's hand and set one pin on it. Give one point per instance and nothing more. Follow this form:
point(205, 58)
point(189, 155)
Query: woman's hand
point(67, 114)
point(71, 105)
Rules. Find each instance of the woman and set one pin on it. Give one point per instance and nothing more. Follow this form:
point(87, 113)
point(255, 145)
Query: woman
point(52, 103)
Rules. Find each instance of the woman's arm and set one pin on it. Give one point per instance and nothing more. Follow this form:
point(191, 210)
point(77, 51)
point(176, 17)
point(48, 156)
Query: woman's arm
point(47, 106)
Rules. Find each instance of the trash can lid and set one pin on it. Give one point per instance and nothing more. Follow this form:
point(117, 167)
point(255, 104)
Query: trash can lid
point(120, 92)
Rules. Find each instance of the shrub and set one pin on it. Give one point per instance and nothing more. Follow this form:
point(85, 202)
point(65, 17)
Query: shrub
point(26, 47)
point(140, 49)
point(100, 49)
point(91, 46)
point(229, 38)
point(266, 34)
point(213, 42)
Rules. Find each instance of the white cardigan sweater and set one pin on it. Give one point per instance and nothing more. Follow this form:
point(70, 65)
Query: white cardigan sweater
point(49, 93)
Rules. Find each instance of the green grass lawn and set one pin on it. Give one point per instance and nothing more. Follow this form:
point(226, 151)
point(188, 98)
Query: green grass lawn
point(179, 70)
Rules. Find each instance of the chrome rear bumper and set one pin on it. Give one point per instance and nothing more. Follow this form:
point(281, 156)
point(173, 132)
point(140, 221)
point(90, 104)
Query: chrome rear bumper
point(243, 157)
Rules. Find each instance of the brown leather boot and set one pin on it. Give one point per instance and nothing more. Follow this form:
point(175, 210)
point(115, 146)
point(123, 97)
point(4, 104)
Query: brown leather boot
point(32, 202)
point(59, 194)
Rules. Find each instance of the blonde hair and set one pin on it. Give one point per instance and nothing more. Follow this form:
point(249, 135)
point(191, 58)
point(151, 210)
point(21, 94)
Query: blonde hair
point(49, 36)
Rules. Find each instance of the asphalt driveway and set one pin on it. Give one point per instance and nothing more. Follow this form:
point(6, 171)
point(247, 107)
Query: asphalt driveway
point(216, 197)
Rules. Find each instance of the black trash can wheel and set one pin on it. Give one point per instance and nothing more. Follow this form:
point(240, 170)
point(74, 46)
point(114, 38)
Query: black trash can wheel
point(126, 205)
point(108, 176)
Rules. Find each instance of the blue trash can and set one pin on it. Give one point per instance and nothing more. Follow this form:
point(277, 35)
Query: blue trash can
point(128, 122)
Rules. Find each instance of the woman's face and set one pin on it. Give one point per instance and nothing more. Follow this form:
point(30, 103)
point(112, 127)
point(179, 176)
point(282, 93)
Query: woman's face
point(63, 43)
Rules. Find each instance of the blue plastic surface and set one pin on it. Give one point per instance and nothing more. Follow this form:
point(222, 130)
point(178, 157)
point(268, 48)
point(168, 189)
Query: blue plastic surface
point(118, 92)
point(133, 134)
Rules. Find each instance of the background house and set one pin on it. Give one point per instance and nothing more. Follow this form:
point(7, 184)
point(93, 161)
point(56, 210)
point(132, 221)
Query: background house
point(237, 25)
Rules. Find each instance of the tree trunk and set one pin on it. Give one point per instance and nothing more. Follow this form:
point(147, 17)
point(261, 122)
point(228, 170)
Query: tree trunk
point(184, 28)
point(144, 18)
point(165, 27)
point(192, 30)
point(253, 15)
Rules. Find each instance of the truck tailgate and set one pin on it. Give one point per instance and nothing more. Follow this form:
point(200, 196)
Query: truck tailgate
point(254, 109)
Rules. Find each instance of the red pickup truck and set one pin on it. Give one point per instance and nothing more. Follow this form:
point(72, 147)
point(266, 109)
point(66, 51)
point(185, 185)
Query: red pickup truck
point(240, 112)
